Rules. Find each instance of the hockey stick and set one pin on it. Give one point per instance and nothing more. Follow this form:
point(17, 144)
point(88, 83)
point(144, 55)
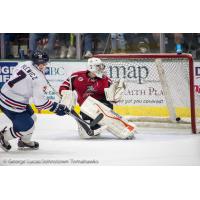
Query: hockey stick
point(91, 124)
point(86, 126)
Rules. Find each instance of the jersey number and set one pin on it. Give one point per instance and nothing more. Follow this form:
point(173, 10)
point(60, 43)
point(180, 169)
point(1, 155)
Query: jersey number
point(21, 75)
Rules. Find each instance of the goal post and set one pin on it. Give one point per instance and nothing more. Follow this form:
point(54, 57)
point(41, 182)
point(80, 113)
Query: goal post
point(161, 85)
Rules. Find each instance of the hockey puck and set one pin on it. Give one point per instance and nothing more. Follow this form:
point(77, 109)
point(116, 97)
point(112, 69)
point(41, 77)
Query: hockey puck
point(178, 119)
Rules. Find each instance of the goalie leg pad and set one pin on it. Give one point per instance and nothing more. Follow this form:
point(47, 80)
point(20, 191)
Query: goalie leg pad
point(115, 123)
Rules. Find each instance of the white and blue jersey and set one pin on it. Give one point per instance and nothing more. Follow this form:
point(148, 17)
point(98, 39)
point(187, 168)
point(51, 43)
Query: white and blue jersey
point(26, 82)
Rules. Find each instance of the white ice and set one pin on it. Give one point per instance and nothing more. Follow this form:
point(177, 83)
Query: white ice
point(60, 144)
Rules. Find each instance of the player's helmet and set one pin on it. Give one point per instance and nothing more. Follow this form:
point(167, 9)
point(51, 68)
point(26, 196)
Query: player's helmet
point(96, 66)
point(40, 57)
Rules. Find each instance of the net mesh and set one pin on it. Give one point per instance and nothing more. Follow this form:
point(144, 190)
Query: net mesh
point(145, 95)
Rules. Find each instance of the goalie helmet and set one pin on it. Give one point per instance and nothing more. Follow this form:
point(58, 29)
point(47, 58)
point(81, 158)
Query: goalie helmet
point(40, 57)
point(96, 66)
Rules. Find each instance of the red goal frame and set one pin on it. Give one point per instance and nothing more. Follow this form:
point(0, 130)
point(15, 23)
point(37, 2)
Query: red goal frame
point(165, 55)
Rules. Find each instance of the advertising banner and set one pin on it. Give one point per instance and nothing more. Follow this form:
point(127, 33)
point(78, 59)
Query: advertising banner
point(141, 89)
point(6, 69)
point(197, 77)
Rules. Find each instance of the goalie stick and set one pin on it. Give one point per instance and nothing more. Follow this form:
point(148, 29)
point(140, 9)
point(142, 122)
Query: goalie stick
point(86, 126)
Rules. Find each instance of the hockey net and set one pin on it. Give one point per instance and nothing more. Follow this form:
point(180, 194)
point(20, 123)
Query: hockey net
point(160, 88)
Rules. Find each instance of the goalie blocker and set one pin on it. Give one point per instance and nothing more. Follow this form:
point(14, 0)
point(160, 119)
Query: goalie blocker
point(115, 123)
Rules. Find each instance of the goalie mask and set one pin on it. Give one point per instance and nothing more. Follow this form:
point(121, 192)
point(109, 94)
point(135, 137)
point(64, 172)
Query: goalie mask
point(96, 66)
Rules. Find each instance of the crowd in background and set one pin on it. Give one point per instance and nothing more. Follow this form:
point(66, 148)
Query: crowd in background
point(64, 45)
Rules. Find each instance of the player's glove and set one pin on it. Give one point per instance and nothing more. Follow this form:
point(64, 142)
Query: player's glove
point(59, 109)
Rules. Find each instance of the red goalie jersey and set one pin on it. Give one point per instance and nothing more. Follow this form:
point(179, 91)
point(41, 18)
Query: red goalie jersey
point(86, 86)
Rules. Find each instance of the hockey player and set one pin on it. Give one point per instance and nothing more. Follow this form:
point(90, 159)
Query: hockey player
point(91, 82)
point(27, 81)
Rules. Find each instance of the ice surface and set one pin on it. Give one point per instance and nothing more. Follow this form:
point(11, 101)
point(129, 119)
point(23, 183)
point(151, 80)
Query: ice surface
point(60, 144)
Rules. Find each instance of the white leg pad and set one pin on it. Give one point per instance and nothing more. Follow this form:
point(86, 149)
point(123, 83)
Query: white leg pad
point(115, 123)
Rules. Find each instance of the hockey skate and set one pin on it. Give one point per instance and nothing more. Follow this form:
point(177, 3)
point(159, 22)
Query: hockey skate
point(131, 137)
point(5, 145)
point(27, 146)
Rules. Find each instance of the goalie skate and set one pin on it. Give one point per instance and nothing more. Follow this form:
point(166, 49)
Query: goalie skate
point(115, 123)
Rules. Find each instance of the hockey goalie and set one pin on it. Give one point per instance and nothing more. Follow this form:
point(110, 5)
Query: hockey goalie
point(96, 93)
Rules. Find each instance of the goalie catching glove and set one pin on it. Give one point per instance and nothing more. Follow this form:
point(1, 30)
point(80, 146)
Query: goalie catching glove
point(115, 92)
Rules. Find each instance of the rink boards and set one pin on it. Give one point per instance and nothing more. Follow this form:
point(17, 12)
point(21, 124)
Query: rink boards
point(140, 102)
